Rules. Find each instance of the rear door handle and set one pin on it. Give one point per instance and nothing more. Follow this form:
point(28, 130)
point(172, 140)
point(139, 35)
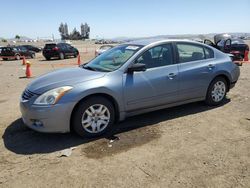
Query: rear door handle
point(171, 76)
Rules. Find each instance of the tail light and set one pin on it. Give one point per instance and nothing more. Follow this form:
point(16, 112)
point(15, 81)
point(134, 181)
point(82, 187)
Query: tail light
point(55, 48)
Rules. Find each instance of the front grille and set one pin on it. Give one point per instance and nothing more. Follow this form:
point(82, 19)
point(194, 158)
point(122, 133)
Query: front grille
point(27, 95)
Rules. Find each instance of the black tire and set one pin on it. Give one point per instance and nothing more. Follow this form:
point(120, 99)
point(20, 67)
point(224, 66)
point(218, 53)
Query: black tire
point(210, 100)
point(47, 58)
point(80, 110)
point(33, 56)
point(61, 56)
point(5, 59)
point(75, 55)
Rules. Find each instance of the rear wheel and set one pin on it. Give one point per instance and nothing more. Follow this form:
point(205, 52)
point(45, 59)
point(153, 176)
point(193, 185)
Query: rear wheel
point(93, 117)
point(5, 59)
point(47, 58)
point(61, 56)
point(17, 57)
point(217, 91)
point(33, 56)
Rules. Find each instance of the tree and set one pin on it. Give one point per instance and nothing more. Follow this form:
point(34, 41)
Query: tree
point(17, 37)
point(4, 40)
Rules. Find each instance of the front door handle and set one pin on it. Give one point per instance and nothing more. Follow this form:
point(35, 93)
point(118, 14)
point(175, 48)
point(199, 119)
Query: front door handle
point(211, 66)
point(171, 76)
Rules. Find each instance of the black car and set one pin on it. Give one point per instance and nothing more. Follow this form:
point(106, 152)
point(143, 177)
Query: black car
point(16, 52)
point(227, 44)
point(33, 48)
point(60, 50)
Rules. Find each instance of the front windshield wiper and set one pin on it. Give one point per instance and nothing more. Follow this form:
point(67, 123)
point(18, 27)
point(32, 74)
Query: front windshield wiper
point(89, 68)
point(94, 69)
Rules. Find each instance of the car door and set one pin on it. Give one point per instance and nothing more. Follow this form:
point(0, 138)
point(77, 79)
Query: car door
point(196, 69)
point(156, 86)
point(71, 50)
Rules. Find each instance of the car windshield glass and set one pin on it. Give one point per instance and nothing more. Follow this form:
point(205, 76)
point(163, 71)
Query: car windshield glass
point(113, 58)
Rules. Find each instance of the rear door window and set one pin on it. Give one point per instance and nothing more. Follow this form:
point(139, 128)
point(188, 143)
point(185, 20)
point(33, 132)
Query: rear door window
point(190, 52)
point(50, 46)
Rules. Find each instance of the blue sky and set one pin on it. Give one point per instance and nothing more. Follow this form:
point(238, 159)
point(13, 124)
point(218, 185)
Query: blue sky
point(131, 18)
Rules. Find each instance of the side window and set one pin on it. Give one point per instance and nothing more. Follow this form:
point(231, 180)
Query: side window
point(209, 53)
point(190, 52)
point(62, 46)
point(157, 57)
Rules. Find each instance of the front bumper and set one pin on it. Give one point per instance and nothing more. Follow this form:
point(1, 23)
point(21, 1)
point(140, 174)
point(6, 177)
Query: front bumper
point(47, 119)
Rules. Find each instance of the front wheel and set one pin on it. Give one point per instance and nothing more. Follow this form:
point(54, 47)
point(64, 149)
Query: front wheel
point(217, 91)
point(93, 117)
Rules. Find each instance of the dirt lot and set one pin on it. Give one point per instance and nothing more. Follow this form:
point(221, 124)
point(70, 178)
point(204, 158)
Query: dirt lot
point(187, 146)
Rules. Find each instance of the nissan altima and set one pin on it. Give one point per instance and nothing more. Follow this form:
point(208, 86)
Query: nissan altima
point(127, 80)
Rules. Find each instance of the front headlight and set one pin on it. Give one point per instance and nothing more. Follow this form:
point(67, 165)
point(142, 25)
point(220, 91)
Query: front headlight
point(51, 97)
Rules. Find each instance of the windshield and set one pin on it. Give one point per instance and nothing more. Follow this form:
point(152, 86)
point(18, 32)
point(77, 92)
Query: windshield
point(113, 58)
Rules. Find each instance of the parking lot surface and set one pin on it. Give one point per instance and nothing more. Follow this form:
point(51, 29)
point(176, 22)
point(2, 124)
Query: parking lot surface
point(187, 146)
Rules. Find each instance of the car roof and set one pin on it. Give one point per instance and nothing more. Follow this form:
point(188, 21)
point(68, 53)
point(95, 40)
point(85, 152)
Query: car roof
point(146, 42)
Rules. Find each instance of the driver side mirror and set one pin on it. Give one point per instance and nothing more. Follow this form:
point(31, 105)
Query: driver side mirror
point(137, 67)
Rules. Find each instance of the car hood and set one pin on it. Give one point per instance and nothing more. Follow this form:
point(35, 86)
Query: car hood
point(63, 77)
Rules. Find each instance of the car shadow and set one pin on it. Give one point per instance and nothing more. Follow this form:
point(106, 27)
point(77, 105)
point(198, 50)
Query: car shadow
point(22, 140)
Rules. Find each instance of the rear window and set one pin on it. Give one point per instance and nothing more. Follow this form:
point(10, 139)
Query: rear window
point(50, 46)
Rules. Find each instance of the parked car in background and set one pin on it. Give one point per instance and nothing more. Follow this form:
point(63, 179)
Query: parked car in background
point(227, 44)
point(16, 52)
point(127, 80)
point(33, 48)
point(103, 49)
point(60, 50)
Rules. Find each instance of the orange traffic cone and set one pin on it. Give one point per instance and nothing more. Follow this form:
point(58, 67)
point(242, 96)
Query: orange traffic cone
point(246, 55)
point(24, 60)
point(28, 70)
point(79, 60)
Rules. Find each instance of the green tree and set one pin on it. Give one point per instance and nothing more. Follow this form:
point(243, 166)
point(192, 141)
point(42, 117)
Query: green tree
point(17, 37)
point(4, 40)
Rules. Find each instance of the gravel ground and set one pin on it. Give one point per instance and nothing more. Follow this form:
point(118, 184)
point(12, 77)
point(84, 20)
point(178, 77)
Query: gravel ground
point(186, 146)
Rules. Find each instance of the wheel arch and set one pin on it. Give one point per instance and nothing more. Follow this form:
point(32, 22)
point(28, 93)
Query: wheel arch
point(105, 95)
point(226, 77)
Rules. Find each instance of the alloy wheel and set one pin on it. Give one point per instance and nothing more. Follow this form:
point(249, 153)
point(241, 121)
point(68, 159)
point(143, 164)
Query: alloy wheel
point(95, 118)
point(219, 91)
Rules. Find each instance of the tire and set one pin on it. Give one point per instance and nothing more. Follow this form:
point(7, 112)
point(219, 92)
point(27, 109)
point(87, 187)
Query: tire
point(17, 57)
point(33, 56)
point(83, 111)
point(47, 58)
point(5, 59)
point(217, 92)
point(61, 56)
point(75, 55)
